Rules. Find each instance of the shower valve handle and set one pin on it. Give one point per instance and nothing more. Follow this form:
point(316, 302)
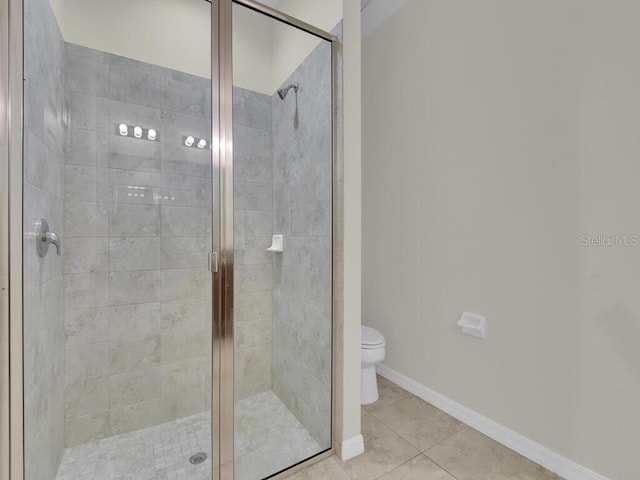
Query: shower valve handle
point(45, 238)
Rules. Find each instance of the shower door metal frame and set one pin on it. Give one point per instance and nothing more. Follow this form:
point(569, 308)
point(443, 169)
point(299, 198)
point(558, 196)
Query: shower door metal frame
point(11, 300)
point(216, 198)
point(223, 275)
point(4, 240)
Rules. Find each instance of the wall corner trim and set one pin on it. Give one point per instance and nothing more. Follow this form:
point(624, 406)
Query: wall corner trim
point(352, 448)
point(535, 452)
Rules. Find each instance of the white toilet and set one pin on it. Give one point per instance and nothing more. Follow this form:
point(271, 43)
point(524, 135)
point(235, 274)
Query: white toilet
point(372, 353)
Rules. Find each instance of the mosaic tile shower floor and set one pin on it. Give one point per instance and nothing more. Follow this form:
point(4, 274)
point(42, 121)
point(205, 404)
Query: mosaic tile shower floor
point(268, 439)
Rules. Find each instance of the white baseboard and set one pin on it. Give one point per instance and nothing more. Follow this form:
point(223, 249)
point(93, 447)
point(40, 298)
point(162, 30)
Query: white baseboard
point(535, 452)
point(352, 448)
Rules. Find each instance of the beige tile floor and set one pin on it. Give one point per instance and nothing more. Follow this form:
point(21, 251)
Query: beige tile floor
point(408, 439)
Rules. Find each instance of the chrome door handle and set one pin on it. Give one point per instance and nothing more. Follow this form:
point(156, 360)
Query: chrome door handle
point(213, 262)
point(45, 238)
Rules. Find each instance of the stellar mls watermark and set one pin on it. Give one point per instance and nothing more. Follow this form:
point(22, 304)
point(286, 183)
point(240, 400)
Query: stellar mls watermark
point(624, 240)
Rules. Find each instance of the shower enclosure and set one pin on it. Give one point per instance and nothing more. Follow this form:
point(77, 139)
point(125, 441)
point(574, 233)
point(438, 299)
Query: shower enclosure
point(177, 209)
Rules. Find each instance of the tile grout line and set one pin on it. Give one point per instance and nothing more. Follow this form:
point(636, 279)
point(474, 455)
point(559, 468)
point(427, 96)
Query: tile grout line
point(424, 452)
point(464, 426)
point(385, 406)
point(403, 437)
point(444, 440)
point(398, 466)
point(441, 467)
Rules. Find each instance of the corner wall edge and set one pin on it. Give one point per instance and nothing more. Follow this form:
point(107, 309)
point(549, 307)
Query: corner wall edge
point(352, 448)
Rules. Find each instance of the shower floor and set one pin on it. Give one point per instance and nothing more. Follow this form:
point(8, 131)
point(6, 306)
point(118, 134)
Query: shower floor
point(268, 439)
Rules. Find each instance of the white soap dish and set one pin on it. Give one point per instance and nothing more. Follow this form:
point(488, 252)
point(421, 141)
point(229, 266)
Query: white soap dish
point(277, 243)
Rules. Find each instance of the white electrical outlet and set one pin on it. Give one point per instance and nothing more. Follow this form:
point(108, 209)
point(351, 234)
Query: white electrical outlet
point(473, 324)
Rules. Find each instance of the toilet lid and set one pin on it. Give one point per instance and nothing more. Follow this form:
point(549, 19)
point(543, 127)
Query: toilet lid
point(371, 337)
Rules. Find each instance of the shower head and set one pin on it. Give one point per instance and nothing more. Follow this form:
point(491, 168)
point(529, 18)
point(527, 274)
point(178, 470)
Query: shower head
point(282, 92)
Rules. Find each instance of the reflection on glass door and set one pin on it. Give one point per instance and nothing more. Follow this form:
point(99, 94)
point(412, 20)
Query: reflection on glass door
point(117, 303)
point(282, 137)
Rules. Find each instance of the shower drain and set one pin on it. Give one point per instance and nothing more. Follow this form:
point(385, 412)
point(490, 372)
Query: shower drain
point(197, 458)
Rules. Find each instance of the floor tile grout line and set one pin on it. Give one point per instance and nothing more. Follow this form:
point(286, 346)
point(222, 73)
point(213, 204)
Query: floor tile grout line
point(408, 440)
point(461, 427)
point(445, 439)
point(405, 396)
point(397, 433)
point(441, 467)
point(423, 452)
point(464, 425)
point(397, 467)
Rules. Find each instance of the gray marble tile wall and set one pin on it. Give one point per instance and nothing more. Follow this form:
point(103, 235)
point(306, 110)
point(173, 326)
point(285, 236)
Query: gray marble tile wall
point(253, 204)
point(44, 133)
point(137, 222)
point(302, 281)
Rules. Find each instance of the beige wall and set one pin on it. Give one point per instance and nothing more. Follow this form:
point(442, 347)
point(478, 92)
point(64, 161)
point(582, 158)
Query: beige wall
point(176, 34)
point(4, 245)
point(495, 134)
point(252, 51)
point(350, 401)
point(169, 33)
point(290, 47)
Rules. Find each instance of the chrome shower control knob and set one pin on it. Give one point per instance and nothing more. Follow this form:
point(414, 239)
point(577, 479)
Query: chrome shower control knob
point(44, 238)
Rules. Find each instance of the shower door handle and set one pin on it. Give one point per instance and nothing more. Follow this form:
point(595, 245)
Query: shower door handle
point(45, 238)
point(213, 262)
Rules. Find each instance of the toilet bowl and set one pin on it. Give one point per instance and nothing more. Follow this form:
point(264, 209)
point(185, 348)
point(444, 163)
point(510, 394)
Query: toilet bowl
point(372, 353)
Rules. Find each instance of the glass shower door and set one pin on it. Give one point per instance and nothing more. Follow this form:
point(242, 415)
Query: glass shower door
point(282, 242)
point(135, 212)
point(117, 229)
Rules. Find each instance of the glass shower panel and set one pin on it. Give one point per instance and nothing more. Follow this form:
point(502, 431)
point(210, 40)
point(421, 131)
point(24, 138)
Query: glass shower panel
point(282, 139)
point(117, 306)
